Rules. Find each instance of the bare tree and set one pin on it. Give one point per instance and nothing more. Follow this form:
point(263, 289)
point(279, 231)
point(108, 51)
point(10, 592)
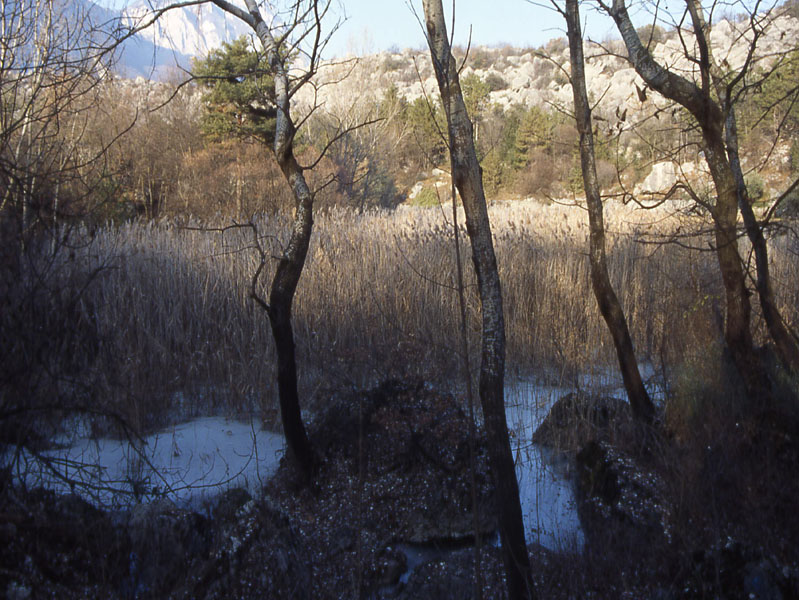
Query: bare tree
point(608, 302)
point(53, 59)
point(467, 176)
point(301, 32)
point(366, 134)
point(729, 88)
point(699, 98)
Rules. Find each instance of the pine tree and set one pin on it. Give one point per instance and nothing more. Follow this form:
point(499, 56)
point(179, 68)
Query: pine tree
point(535, 132)
point(239, 92)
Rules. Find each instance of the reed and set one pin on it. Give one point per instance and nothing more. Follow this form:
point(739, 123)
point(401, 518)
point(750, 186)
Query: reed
point(174, 328)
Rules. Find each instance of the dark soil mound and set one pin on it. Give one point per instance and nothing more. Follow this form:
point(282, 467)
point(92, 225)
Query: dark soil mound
point(59, 547)
point(576, 418)
point(256, 554)
point(394, 467)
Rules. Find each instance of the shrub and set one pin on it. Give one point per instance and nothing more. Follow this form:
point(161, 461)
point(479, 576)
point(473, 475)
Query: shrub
point(606, 173)
point(481, 58)
point(495, 82)
point(561, 79)
point(790, 206)
point(556, 46)
point(540, 177)
point(427, 197)
point(651, 34)
point(394, 63)
point(755, 186)
point(701, 391)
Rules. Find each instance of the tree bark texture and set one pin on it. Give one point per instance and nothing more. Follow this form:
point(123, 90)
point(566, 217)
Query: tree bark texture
point(290, 266)
point(467, 176)
point(606, 298)
point(698, 100)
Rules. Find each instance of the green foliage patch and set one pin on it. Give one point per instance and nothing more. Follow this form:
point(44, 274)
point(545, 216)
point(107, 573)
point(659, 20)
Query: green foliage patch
point(427, 197)
point(239, 92)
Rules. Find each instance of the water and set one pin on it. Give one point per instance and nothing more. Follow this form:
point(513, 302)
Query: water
point(188, 464)
point(191, 462)
point(546, 491)
point(546, 487)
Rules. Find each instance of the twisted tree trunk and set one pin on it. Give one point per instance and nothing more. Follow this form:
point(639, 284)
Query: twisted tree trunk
point(291, 263)
point(699, 101)
point(786, 345)
point(609, 304)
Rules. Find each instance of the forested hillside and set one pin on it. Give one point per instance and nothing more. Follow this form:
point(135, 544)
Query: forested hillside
point(519, 100)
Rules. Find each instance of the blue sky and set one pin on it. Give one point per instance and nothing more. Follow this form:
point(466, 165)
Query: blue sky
point(376, 25)
point(387, 23)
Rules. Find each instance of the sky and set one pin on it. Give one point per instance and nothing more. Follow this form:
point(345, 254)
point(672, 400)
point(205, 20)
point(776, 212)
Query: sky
point(376, 25)
point(369, 26)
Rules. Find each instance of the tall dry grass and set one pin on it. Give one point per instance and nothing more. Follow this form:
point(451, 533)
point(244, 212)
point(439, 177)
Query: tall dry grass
point(174, 327)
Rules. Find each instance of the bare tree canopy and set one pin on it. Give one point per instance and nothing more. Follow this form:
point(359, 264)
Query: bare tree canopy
point(707, 100)
point(301, 33)
point(53, 59)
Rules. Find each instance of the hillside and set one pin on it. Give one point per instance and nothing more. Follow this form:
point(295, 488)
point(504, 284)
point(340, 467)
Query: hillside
point(642, 128)
point(539, 76)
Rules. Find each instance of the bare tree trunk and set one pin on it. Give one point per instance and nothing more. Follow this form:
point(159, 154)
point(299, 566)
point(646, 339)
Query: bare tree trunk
point(786, 345)
point(281, 297)
point(738, 326)
point(609, 304)
point(290, 266)
point(467, 175)
point(699, 101)
point(787, 348)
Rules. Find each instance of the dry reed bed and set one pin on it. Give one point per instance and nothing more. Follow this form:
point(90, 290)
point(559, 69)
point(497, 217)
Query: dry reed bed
point(173, 317)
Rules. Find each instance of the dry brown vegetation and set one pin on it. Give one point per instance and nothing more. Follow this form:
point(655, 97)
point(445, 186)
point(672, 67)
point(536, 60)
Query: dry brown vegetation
point(169, 315)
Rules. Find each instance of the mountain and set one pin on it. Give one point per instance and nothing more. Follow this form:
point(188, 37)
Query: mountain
point(539, 77)
point(178, 36)
point(189, 30)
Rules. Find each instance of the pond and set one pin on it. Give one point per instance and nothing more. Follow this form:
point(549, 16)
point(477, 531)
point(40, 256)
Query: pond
point(188, 464)
point(192, 462)
point(545, 487)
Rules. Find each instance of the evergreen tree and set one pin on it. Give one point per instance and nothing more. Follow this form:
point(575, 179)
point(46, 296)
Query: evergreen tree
point(475, 95)
point(535, 132)
point(427, 124)
point(780, 96)
point(239, 93)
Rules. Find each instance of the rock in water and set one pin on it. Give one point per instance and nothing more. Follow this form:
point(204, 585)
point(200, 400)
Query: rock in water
point(575, 419)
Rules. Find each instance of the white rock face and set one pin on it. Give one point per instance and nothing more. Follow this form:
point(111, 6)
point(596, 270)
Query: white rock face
point(665, 174)
point(190, 30)
point(536, 80)
point(662, 176)
point(532, 79)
